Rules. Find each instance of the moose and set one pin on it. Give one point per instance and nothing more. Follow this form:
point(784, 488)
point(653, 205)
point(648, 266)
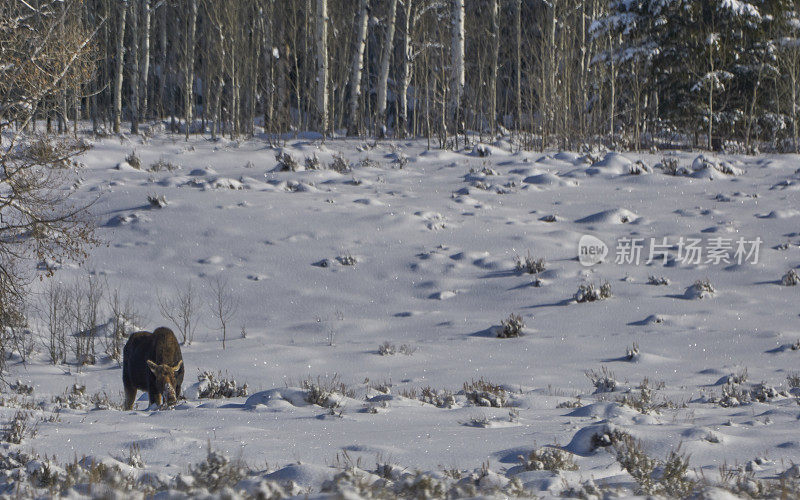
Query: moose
point(152, 362)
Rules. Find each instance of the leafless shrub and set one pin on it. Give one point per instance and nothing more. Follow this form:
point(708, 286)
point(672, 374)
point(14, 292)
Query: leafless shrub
point(790, 278)
point(286, 162)
point(133, 160)
point(347, 260)
point(181, 310)
point(529, 264)
point(589, 293)
point(157, 201)
point(217, 471)
point(87, 296)
point(549, 458)
point(511, 327)
point(312, 162)
point(18, 428)
point(603, 381)
point(74, 397)
point(389, 349)
point(657, 280)
point(632, 352)
point(325, 391)
point(482, 393)
point(54, 307)
point(123, 319)
point(439, 398)
point(340, 164)
point(21, 388)
point(224, 304)
point(215, 386)
point(162, 165)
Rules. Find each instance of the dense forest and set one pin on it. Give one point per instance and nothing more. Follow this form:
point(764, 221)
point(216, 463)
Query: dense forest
point(630, 74)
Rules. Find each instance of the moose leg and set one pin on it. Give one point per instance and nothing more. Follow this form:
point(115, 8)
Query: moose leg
point(155, 398)
point(130, 396)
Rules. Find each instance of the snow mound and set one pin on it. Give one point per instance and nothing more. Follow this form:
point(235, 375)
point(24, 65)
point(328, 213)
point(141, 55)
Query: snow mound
point(549, 180)
point(613, 216)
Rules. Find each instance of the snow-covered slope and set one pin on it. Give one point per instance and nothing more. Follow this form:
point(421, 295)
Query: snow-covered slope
point(418, 255)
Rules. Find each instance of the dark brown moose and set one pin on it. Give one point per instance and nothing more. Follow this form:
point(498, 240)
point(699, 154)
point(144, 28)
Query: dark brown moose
point(152, 362)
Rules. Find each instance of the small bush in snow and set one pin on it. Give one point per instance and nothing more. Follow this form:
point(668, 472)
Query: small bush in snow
point(603, 381)
point(324, 392)
point(347, 260)
point(733, 395)
point(312, 162)
point(790, 278)
point(639, 167)
point(157, 201)
point(162, 165)
point(400, 161)
point(368, 163)
point(632, 352)
point(589, 293)
point(389, 349)
point(286, 162)
point(133, 160)
point(764, 393)
point(340, 164)
point(701, 289)
point(482, 393)
point(657, 280)
point(215, 386)
point(511, 327)
point(793, 379)
point(609, 437)
point(101, 401)
point(217, 471)
point(20, 388)
point(669, 165)
point(641, 402)
point(134, 458)
point(529, 264)
point(438, 398)
point(73, 398)
point(549, 458)
point(18, 428)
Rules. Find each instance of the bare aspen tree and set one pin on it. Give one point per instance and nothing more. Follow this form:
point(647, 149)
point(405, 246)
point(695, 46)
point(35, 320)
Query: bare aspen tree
point(518, 64)
point(408, 61)
point(120, 64)
point(321, 44)
point(188, 65)
point(182, 310)
point(457, 72)
point(494, 11)
point(224, 304)
point(143, 94)
point(357, 65)
point(383, 76)
point(133, 17)
point(54, 310)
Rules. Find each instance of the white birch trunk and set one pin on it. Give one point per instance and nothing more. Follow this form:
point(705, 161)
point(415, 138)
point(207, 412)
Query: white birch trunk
point(188, 70)
point(457, 76)
point(386, 54)
point(495, 15)
point(322, 64)
point(119, 66)
point(405, 82)
point(358, 66)
point(145, 57)
point(134, 104)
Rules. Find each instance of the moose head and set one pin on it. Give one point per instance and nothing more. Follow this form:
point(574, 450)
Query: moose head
point(165, 379)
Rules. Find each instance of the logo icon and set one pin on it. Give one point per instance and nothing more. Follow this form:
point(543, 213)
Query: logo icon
point(591, 250)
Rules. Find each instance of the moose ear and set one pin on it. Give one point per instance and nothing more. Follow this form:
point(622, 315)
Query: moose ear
point(153, 367)
point(177, 367)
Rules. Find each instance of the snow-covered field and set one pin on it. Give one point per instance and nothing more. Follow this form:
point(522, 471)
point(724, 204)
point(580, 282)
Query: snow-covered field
point(418, 249)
